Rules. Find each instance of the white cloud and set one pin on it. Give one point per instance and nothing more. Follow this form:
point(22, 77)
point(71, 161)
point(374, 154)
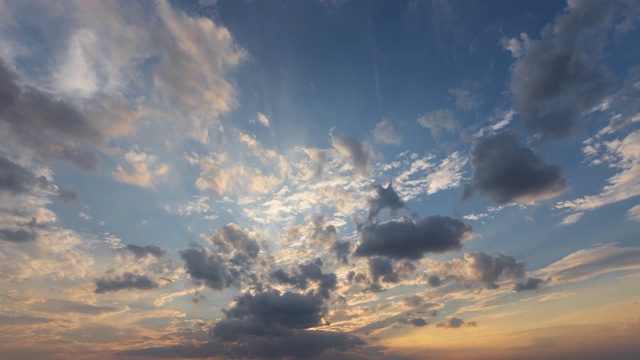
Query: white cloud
point(262, 119)
point(623, 155)
point(465, 99)
point(634, 213)
point(385, 133)
point(141, 169)
point(438, 121)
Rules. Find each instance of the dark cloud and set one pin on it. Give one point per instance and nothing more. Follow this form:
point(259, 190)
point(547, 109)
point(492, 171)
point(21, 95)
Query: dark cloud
point(355, 153)
point(210, 268)
point(47, 125)
point(68, 195)
point(529, 284)
point(311, 272)
point(386, 198)
point(124, 282)
point(559, 77)
point(506, 171)
point(342, 250)
point(16, 180)
point(419, 322)
point(142, 251)
point(407, 239)
point(488, 269)
point(18, 236)
point(381, 268)
point(434, 281)
point(23, 319)
point(413, 301)
point(228, 263)
point(454, 323)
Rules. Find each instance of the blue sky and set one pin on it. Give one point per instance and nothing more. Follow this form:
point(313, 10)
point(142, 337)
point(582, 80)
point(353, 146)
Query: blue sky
point(331, 179)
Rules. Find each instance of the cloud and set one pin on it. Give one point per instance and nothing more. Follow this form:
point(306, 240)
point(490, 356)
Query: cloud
point(623, 185)
point(210, 268)
point(141, 170)
point(434, 281)
point(385, 133)
point(465, 100)
point(126, 281)
point(68, 195)
point(438, 121)
point(454, 323)
point(382, 268)
point(16, 180)
point(488, 269)
point(529, 284)
point(413, 300)
point(386, 198)
point(49, 126)
point(18, 236)
point(559, 77)
point(634, 213)
point(311, 272)
point(356, 153)
point(321, 233)
point(342, 249)
point(589, 263)
point(142, 251)
point(262, 119)
point(69, 306)
point(408, 239)
point(418, 322)
point(507, 171)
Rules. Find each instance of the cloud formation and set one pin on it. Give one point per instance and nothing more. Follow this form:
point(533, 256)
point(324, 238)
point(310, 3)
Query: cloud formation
point(455, 323)
point(356, 153)
point(560, 76)
point(408, 239)
point(507, 171)
point(16, 180)
point(142, 251)
point(126, 281)
point(438, 121)
point(386, 198)
point(385, 133)
point(488, 269)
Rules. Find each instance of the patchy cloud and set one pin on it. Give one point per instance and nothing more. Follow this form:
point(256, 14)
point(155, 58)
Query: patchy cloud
point(356, 153)
point(559, 77)
point(386, 198)
point(454, 323)
point(16, 179)
point(507, 171)
point(385, 133)
point(465, 99)
point(488, 269)
point(142, 251)
point(438, 121)
point(126, 281)
point(529, 284)
point(311, 272)
point(408, 239)
point(18, 235)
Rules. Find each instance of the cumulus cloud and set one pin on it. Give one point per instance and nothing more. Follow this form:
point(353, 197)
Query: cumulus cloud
point(385, 133)
point(18, 235)
point(49, 126)
point(488, 269)
point(408, 239)
point(262, 119)
point(342, 249)
point(506, 171)
point(311, 272)
point(386, 198)
point(126, 281)
point(355, 152)
point(438, 121)
point(141, 169)
point(454, 323)
point(228, 263)
point(559, 77)
point(382, 269)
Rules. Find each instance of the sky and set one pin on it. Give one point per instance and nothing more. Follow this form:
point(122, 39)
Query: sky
point(331, 179)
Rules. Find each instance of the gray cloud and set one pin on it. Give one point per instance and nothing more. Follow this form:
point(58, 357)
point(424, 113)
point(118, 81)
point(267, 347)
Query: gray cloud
point(210, 268)
point(68, 195)
point(407, 239)
point(454, 323)
point(18, 236)
point(50, 126)
point(342, 250)
point(488, 269)
point(559, 77)
point(386, 198)
point(124, 282)
point(16, 180)
point(506, 171)
point(434, 281)
point(142, 251)
point(68, 306)
point(413, 300)
point(355, 153)
point(382, 268)
point(418, 322)
point(321, 232)
point(311, 272)
point(529, 284)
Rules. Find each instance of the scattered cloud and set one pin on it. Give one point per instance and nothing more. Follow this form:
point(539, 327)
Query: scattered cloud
point(438, 121)
point(385, 133)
